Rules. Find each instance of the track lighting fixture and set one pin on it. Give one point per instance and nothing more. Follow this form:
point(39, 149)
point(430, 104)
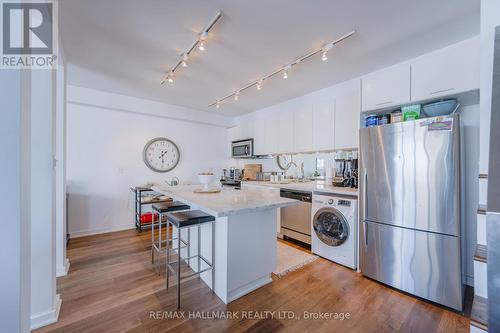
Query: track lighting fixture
point(286, 69)
point(184, 60)
point(325, 49)
point(200, 43)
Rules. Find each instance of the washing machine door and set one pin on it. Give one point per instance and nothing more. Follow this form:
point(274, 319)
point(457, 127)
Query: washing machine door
point(330, 226)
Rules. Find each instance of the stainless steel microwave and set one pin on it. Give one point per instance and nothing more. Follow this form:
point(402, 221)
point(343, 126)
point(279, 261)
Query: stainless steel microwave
point(242, 148)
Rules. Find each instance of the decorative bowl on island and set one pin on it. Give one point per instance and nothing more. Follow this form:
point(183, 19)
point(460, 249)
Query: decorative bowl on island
point(206, 179)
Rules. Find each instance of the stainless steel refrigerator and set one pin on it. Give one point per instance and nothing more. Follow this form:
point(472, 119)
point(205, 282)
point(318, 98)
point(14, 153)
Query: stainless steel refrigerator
point(410, 234)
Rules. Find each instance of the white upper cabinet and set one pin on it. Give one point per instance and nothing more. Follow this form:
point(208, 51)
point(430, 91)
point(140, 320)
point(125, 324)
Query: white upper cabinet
point(259, 134)
point(387, 87)
point(451, 70)
point(323, 125)
point(285, 131)
point(303, 128)
point(269, 122)
point(347, 115)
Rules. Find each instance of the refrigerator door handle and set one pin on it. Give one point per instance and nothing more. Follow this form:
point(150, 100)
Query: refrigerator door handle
point(365, 183)
point(365, 233)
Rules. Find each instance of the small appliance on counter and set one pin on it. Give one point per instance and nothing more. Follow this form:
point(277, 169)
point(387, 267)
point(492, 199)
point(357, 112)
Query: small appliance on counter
point(346, 169)
point(231, 178)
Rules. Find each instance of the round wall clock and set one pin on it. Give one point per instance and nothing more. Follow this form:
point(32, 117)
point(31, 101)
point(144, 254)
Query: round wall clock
point(161, 154)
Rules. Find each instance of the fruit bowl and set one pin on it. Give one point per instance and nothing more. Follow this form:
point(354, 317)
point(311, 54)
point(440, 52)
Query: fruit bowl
point(205, 179)
point(442, 108)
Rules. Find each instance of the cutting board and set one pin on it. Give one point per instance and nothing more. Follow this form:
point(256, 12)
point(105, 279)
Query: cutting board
point(251, 170)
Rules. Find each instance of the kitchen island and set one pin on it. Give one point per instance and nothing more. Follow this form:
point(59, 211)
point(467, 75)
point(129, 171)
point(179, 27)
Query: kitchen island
point(245, 235)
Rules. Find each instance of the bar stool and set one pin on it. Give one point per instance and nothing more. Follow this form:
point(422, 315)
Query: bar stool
point(183, 220)
point(162, 209)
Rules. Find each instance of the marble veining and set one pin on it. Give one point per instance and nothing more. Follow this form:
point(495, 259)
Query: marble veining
point(229, 201)
point(313, 186)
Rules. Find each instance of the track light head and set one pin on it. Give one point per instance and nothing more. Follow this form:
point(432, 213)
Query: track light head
point(217, 105)
point(259, 85)
point(236, 95)
point(285, 71)
point(185, 57)
point(201, 45)
point(326, 48)
point(170, 77)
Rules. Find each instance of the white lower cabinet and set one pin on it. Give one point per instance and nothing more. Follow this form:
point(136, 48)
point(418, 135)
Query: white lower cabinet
point(323, 125)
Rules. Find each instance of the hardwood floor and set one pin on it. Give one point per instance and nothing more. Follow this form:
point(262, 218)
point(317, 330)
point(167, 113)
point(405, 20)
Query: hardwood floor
point(112, 287)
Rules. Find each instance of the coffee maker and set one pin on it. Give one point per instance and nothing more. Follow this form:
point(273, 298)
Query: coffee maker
point(346, 169)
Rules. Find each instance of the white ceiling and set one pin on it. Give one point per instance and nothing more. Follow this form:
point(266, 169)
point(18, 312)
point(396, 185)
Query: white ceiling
point(125, 46)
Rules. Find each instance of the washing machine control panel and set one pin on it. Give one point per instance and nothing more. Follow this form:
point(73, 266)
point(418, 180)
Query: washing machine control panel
point(346, 203)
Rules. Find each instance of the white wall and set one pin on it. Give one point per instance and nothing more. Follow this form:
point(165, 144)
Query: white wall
point(470, 136)
point(45, 304)
point(14, 176)
point(105, 140)
point(490, 18)
point(62, 263)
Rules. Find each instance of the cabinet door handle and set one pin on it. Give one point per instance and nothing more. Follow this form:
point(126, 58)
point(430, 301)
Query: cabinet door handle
point(378, 104)
point(441, 91)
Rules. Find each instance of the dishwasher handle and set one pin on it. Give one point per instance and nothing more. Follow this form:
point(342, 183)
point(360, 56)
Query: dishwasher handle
point(297, 195)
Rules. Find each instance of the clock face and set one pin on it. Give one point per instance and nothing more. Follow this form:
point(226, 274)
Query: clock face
point(161, 155)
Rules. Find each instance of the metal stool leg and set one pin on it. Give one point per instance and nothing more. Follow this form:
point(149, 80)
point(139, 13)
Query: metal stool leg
point(179, 270)
point(158, 261)
point(189, 246)
point(168, 250)
point(213, 257)
point(153, 238)
point(199, 250)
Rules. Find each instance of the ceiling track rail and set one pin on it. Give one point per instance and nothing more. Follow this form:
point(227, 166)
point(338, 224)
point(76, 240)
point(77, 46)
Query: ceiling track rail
point(198, 42)
point(285, 69)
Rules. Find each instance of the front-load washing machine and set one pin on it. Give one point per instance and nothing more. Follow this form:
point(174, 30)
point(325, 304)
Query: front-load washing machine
point(334, 228)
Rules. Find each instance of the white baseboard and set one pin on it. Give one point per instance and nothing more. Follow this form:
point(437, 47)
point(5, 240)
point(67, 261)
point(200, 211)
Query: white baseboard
point(47, 317)
point(248, 288)
point(83, 233)
point(474, 329)
point(63, 270)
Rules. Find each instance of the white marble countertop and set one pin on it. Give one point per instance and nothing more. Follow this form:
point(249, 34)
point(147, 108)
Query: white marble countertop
point(228, 202)
point(313, 186)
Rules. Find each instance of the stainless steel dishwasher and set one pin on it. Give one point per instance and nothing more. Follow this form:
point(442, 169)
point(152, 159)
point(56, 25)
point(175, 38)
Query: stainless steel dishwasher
point(296, 220)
